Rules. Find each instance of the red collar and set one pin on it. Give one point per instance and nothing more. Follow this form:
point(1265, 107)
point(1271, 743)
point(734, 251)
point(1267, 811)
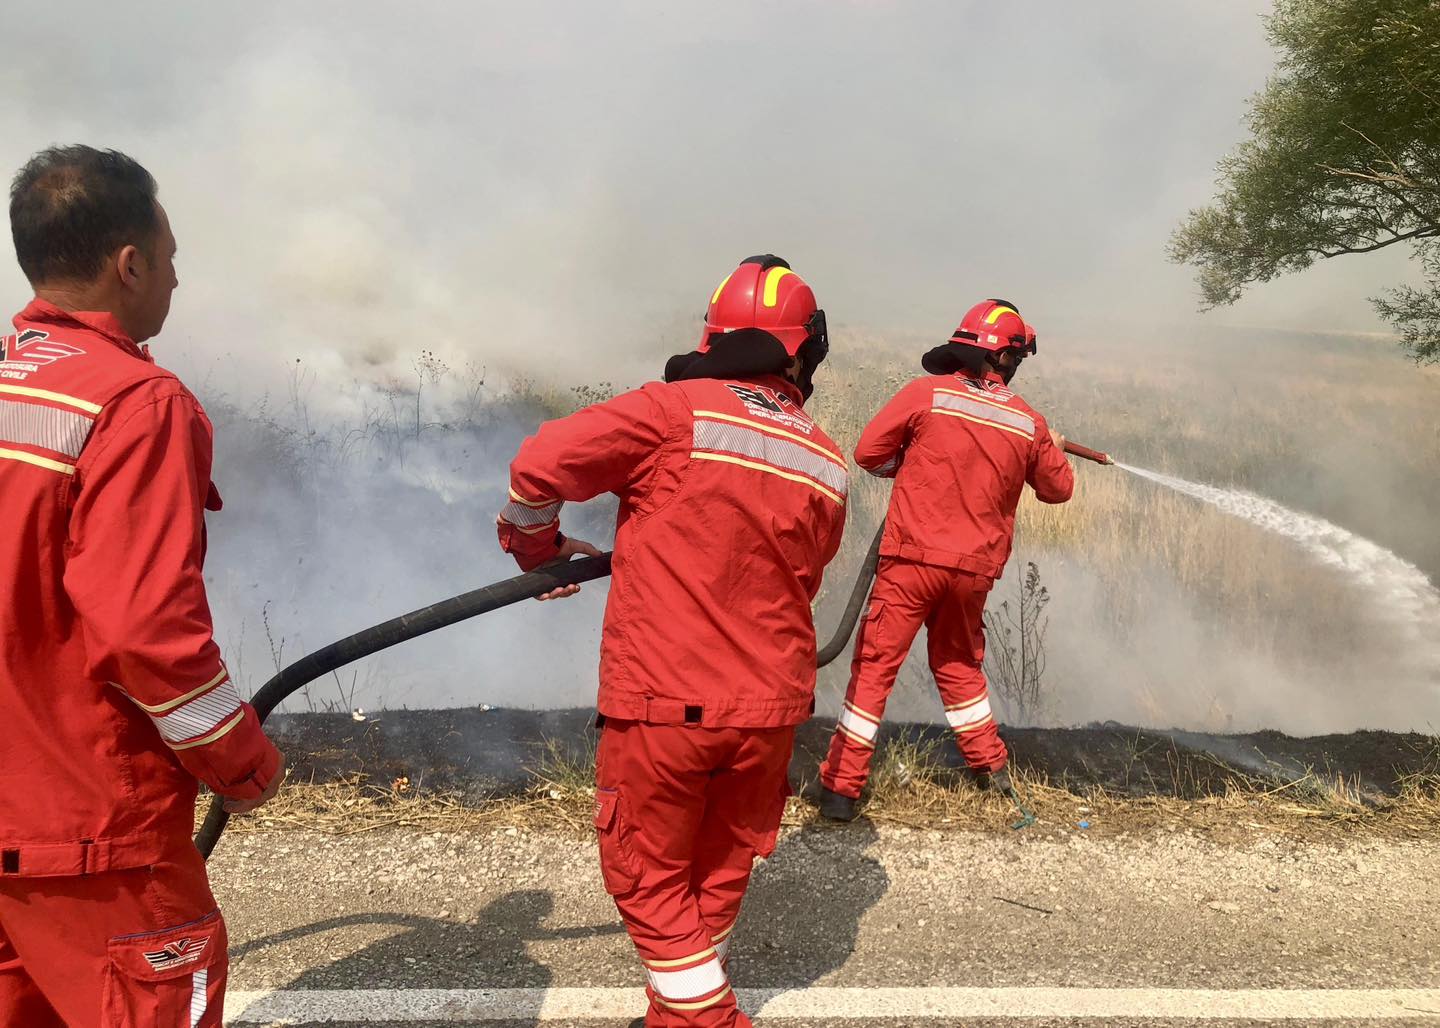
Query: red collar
point(102, 323)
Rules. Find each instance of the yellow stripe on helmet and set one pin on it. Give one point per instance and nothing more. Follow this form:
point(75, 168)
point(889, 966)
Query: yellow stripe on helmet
point(994, 315)
point(715, 297)
point(772, 285)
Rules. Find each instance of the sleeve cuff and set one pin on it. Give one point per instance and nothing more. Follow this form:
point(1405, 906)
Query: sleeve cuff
point(261, 775)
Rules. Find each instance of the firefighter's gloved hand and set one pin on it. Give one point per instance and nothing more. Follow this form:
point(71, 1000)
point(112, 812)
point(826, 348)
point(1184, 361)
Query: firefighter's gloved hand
point(245, 806)
point(569, 548)
point(1057, 439)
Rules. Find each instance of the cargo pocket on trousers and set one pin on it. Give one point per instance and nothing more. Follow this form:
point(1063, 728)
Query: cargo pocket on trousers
point(618, 865)
point(765, 844)
point(163, 978)
point(870, 636)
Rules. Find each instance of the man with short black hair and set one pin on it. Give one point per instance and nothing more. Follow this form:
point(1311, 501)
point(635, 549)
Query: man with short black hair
point(112, 691)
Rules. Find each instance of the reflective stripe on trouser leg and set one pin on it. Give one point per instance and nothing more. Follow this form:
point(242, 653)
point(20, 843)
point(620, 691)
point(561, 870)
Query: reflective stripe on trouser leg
point(199, 1000)
point(689, 983)
point(971, 716)
point(957, 655)
point(722, 944)
point(899, 603)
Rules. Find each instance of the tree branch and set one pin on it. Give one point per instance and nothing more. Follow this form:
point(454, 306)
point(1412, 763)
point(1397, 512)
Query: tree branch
point(1420, 233)
point(1378, 178)
point(1374, 146)
point(1419, 215)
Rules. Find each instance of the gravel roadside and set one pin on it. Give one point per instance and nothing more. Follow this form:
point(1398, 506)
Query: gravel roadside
point(854, 905)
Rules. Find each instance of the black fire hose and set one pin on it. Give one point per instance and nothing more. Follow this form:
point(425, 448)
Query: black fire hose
point(460, 608)
point(846, 627)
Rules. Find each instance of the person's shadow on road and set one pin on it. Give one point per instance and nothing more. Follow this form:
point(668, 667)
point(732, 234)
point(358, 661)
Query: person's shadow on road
point(489, 952)
point(802, 915)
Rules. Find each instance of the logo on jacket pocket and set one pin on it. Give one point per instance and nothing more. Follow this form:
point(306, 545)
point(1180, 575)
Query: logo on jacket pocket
point(176, 954)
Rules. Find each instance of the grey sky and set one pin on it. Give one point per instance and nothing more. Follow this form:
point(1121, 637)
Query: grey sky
point(546, 184)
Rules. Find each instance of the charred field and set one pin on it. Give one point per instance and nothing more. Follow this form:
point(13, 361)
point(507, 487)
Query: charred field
point(1166, 611)
point(475, 767)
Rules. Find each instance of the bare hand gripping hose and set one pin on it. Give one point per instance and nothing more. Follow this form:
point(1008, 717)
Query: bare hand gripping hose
point(460, 608)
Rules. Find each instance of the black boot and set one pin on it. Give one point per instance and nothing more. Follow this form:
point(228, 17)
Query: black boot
point(834, 807)
point(999, 780)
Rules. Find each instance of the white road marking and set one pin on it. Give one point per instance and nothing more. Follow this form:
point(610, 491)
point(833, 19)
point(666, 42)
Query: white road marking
point(366, 1005)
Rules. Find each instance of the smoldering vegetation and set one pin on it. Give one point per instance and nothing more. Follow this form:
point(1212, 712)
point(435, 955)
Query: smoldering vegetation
point(1167, 612)
point(386, 505)
point(1159, 611)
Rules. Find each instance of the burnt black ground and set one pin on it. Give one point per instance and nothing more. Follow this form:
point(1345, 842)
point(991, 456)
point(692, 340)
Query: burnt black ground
point(481, 752)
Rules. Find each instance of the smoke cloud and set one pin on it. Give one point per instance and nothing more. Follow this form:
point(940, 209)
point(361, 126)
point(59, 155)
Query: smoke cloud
point(540, 185)
point(389, 217)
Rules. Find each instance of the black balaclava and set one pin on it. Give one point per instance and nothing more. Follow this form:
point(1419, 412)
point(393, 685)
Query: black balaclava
point(948, 358)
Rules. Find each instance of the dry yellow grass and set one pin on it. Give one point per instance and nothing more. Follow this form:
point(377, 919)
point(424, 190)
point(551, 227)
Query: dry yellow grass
point(1343, 430)
point(910, 787)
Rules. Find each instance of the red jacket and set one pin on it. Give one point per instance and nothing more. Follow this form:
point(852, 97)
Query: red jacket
point(732, 501)
point(113, 697)
point(960, 450)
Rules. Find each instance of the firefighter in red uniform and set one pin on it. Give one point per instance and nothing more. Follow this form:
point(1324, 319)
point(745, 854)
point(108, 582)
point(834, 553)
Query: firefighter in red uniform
point(113, 696)
point(961, 446)
point(732, 501)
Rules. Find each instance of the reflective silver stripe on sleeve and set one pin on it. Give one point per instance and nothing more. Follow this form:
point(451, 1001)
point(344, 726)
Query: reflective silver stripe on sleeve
point(987, 411)
point(530, 517)
point(887, 469)
point(716, 435)
point(31, 424)
point(200, 715)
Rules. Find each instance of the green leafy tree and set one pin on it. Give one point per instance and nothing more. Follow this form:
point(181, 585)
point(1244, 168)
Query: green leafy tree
point(1343, 158)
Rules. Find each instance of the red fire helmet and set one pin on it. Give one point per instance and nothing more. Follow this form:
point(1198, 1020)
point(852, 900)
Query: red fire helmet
point(763, 293)
point(994, 325)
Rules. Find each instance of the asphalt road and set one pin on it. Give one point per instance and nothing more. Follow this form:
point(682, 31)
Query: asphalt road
point(854, 907)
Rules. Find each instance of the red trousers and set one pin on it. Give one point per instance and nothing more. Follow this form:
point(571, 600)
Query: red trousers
point(143, 948)
point(951, 605)
point(682, 812)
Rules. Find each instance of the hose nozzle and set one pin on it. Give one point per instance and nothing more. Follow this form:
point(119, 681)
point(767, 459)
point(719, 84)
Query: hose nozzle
point(1076, 450)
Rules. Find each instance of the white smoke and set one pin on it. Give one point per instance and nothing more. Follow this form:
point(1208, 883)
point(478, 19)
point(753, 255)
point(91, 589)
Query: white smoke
point(336, 523)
